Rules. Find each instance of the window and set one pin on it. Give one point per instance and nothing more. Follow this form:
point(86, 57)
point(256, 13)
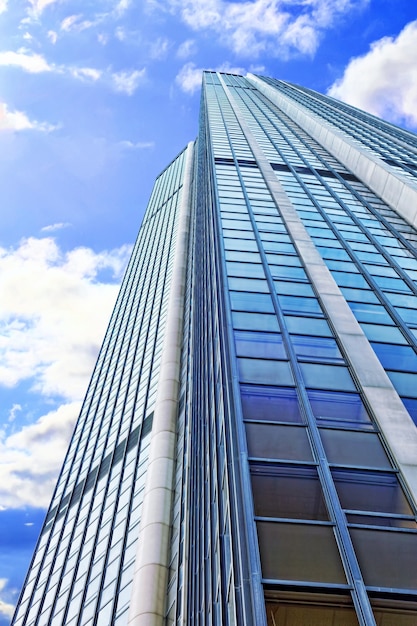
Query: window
point(349, 447)
point(304, 552)
point(265, 371)
point(273, 404)
point(254, 321)
point(330, 377)
point(289, 491)
point(261, 345)
point(334, 408)
point(278, 441)
point(316, 348)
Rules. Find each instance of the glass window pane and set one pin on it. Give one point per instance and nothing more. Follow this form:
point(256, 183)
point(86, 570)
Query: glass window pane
point(308, 325)
point(270, 403)
point(288, 491)
point(252, 302)
point(327, 377)
point(265, 371)
point(370, 313)
point(248, 284)
point(370, 491)
point(387, 558)
point(276, 441)
point(405, 384)
point(261, 345)
point(254, 321)
point(378, 332)
point(294, 304)
point(342, 408)
point(393, 356)
point(303, 552)
point(316, 348)
point(311, 613)
point(350, 447)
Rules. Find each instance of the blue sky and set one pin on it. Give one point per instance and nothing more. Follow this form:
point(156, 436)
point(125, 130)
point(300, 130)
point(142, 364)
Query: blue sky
point(96, 98)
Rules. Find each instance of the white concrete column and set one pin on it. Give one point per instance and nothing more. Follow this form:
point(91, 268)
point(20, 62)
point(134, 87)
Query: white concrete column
point(399, 192)
point(149, 592)
point(396, 425)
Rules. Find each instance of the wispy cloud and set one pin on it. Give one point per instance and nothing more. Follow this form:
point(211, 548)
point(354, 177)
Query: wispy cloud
point(187, 49)
point(159, 48)
point(3, 6)
point(38, 6)
point(256, 26)
point(128, 81)
point(138, 145)
point(52, 36)
point(54, 227)
point(19, 121)
point(85, 73)
point(384, 81)
point(26, 60)
point(121, 7)
point(123, 81)
point(77, 23)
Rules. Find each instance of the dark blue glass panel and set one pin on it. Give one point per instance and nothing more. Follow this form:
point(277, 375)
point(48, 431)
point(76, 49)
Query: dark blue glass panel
point(411, 406)
point(346, 409)
point(393, 356)
point(273, 404)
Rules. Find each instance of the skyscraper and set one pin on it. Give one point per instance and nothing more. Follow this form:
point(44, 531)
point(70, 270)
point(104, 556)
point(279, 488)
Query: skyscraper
point(247, 448)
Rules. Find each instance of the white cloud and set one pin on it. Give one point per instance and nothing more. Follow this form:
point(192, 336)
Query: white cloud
point(279, 27)
point(121, 7)
point(138, 145)
point(26, 60)
point(52, 36)
point(103, 38)
point(76, 23)
point(159, 48)
point(128, 81)
point(3, 6)
point(120, 33)
point(53, 227)
point(384, 81)
point(83, 73)
point(189, 77)
point(38, 6)
point(5, 608)
point(69, 22)
point(187, 49)
point(13, 411)
point(52, 326)
point(31, 458)
point(19, 121)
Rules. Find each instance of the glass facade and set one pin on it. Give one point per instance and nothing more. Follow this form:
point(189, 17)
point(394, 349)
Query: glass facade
point(290, 494)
